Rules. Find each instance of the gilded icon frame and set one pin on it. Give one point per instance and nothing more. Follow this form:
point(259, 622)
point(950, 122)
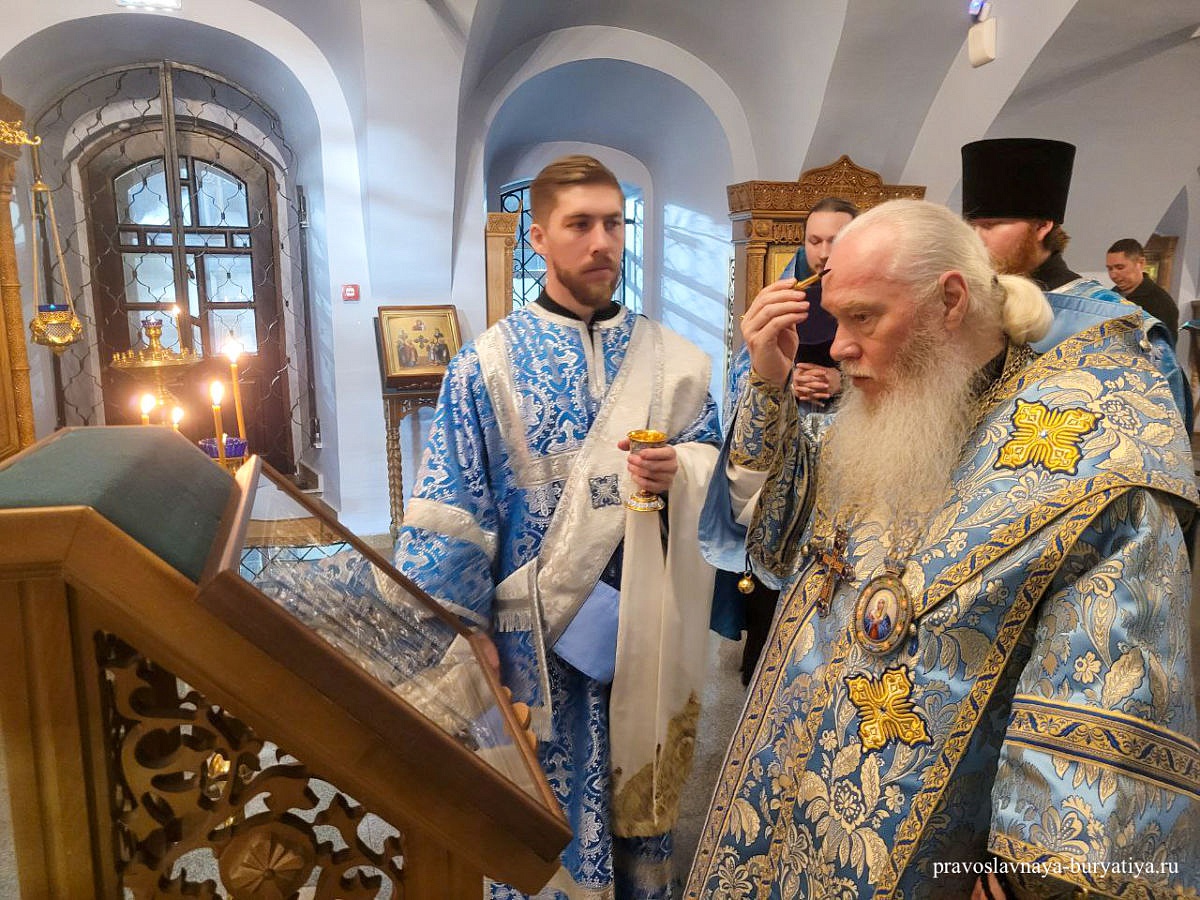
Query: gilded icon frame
point(415, 344)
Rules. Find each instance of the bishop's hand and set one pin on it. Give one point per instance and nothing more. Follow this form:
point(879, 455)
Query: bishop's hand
point(769, 330)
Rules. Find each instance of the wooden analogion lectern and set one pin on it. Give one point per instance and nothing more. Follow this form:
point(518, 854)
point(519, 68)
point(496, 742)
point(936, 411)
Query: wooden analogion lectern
point(205, 679)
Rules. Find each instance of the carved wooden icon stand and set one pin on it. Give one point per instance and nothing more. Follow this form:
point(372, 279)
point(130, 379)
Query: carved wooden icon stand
point(157, 708)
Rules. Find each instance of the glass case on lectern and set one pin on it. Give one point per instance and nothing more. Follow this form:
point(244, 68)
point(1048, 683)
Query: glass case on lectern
point(333, 586)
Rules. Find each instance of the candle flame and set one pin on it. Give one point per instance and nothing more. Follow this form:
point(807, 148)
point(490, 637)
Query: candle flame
point(233, 349)
point(177, 416)
point(148, 404)
point(217, 392)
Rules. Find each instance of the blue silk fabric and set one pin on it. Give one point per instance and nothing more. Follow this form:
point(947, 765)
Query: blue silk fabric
point(1042, 712)
point(1084, 303)
point(466, 467)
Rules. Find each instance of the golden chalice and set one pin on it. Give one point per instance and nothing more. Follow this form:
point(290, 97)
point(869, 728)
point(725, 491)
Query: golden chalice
point(642, 500)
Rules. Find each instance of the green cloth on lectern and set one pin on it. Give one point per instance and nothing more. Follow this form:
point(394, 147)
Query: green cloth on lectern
point(150, 482)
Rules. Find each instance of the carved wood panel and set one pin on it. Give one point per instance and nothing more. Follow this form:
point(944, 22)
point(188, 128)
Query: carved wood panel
point(199, 800)
point(1160, 258)
point(499, 245)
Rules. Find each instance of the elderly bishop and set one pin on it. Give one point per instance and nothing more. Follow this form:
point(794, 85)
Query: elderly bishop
point(1002, 684)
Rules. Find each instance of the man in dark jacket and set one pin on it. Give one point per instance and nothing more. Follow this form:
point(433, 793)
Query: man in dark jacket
point(1126, 263)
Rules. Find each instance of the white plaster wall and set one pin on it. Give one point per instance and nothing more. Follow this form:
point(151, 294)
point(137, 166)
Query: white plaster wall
point(337, 29)
point(969, 99)
point(557, 49)
point(1174, 222)
point(1187, 251)
point(412, 63)
point(774, 55)
point(1126, 178)
point(1187, 263)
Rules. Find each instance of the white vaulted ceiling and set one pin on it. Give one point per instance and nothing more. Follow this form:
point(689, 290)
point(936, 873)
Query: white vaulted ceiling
point(408, 114)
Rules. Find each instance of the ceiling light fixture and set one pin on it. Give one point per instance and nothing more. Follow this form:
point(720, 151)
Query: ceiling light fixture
point(157, 5)
point(979, 10)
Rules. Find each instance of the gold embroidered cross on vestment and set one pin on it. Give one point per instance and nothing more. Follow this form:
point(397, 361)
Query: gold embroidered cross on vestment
point(885, 709)
point(1047, 437)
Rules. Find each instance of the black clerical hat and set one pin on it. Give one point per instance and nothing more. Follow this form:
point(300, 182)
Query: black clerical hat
point(1016, 178)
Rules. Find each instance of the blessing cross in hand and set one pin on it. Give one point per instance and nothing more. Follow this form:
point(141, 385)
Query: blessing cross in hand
point(831, 557)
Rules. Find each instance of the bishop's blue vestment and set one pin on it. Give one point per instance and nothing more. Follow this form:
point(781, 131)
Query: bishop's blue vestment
point(1038, 713)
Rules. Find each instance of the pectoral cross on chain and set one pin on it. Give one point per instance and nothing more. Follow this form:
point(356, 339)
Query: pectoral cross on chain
point(830, 556)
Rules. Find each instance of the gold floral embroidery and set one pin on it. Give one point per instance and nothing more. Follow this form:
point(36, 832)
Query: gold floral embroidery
point(958, 735)
point(1046, 437)
point(755, 440)
point(1087, 667)
point(733, 877)
point(886, 710)
point(848, 806)
point(650, 798)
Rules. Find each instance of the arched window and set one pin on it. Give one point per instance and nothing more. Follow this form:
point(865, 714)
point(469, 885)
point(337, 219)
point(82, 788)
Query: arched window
point(181, 203)
point(529, 269)
point(217, 251)
point(211, 279)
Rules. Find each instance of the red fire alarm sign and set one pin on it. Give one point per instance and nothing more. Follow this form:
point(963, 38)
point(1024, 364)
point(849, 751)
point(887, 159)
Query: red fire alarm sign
point(349, 291)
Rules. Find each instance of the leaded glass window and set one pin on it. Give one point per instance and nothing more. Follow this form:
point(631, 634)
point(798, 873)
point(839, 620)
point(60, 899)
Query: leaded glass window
point(216, 216)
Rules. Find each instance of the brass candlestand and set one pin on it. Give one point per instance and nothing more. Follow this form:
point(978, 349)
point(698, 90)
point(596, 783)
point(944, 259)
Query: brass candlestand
point(165, 365)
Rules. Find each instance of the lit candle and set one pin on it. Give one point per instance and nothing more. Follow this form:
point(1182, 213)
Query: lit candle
point(218, 392)
point(148, 404)
point(177, 314)
point(233, 349)
point(176, 417)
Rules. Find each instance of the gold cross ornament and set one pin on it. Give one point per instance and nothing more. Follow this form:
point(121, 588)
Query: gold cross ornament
point(1046, 437)
point(831, 557)
point(885, 709)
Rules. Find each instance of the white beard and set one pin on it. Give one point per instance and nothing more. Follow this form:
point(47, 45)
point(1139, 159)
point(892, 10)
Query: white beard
point(891, 460)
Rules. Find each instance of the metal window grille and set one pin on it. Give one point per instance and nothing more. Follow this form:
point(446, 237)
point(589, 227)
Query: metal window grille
point(177, 197)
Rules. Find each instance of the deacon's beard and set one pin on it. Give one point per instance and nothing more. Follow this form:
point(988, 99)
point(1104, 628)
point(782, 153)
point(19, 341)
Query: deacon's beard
point(590, 294)
point(890, 459)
